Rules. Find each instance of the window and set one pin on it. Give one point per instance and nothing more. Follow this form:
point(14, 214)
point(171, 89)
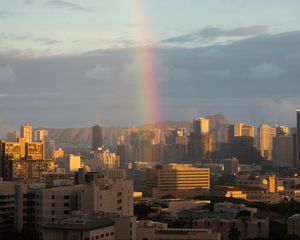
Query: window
point(112, 233)
point(53, 212)
point(66, 196)
point(53, 197)
point(66, 212)
point(53, 219)
point(97, 237)
point(53, 205)
point(66, 204)
point(107, 234)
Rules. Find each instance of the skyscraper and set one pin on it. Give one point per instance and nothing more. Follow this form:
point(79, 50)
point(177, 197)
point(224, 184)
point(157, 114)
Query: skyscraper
point(40, 135)
point(26, 132)
point(265, 140)
point(201, 126)
point(298, 138)
point(97, 137)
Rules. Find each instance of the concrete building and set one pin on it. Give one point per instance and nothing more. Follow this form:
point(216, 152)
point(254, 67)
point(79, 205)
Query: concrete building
point(265, 140)
point(148, 230)
point(26, 132)
point(6, 209)
point(281, 130)
point(95, 193)
point(249, 228)
point(200, 147)
point(283, 150)
point(23, 160)
point(72, 163)
point(40, 135)
point(180, 180)
point(108, 195)
point(231, 166)
point(200, 126)
point(298, 139)
point(97, 137)
point(12, 136)
point(80, 229)
point(293, 225)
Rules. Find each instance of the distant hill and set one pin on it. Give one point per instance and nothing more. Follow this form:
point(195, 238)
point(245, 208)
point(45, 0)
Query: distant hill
point(84, 135)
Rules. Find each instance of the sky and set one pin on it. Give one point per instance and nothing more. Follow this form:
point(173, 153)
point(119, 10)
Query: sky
point(68, 63)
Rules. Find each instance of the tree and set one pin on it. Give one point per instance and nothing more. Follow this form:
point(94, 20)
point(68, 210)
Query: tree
point(234, 234)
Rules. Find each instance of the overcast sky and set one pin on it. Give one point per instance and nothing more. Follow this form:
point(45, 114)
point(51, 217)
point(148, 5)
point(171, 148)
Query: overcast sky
point(62, 63)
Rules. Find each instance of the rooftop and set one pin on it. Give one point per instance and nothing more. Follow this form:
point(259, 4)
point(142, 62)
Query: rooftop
point(81, 224)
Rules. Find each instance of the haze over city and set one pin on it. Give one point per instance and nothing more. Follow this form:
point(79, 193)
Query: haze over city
point(63, 63)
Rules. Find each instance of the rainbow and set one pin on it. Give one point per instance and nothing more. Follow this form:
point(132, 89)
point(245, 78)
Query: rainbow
point(147, 79)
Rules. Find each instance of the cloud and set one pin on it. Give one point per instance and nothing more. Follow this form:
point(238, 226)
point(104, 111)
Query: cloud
point(7, 75)
point(100, 73)
point(266, 71)
point(66, 5)
point(224, 79)
point(219, 73)
point(30, 2)
point(214, 33)
point(4, 14)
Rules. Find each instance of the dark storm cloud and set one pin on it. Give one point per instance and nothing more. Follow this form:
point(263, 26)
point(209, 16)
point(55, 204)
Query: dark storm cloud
point(212, 33)
point(255, 80)
point(66, 5)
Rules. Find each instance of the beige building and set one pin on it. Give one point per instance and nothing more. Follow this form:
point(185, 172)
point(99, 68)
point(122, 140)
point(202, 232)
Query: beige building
point(201, 126)
point(103, 160)
point(40, 135)
point(148, 230)
point(242, 129)
point(26, 132)
point(108, 195)
point(180, 180)
point(72, 163)
point(265, 140)
point(97, 194)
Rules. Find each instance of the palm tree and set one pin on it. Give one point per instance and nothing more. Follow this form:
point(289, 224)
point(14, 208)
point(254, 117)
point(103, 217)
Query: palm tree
point(234, 234)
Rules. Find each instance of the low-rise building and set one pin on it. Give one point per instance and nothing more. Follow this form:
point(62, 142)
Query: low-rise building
point(249, 228)
point(80, 229)
point(178, 180)
point(148, 230)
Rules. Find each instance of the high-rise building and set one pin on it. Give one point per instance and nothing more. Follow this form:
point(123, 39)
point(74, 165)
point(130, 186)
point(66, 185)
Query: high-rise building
point(200, 147)
point(265, 140)
point(12, 136)
point(283, 150)
point(26, 132)
point(97, 137)
point(281, 130)
point(72, 163)
point(298, 138)
point(231, 166)
point(200, 126)
point(40, 135)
